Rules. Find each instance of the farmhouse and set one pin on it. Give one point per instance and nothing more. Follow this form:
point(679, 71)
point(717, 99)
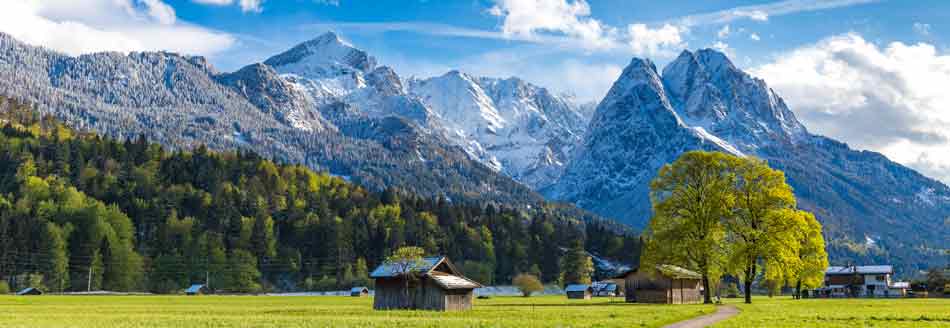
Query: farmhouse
point(861, 281)
point(667, 284)
point(578, 292)
point(359, 291)
point(434, 285)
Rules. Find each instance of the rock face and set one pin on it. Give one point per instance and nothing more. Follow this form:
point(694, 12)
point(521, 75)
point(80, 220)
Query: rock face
point(873, 210)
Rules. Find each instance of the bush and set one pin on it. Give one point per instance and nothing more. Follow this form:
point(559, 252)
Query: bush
point(4, 288)
point(527, 284)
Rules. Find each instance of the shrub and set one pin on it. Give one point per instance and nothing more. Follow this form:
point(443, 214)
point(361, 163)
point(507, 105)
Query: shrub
point(4, 288)
point(527, 283)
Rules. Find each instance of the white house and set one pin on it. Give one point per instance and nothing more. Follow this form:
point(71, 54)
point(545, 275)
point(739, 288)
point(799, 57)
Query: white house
point(862, 281)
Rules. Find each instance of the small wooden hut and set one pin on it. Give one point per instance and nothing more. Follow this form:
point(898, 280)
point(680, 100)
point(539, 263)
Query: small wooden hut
point(667, 284)
point(578, 292)
point(359, 291)
point(197, 289)
point(435, 285)
point(29, 291)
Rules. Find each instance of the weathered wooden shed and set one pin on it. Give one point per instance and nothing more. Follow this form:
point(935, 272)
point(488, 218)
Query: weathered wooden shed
point(359, 291)
point(437, 286)
point(578, 292)
point(665, 284)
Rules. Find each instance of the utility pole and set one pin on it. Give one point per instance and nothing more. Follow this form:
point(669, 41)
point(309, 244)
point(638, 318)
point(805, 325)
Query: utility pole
point(89, 280)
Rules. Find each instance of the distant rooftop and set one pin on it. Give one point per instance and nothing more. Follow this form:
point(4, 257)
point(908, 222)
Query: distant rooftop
point(576, 288)
point(860, 269)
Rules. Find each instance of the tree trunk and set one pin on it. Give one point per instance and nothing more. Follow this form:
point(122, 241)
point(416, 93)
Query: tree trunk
point(707, 296)
point(798, 290)
point(749, 276)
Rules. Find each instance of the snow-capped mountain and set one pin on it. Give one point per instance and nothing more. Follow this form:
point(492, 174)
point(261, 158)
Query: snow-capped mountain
point(702, 101)
point(521, 129)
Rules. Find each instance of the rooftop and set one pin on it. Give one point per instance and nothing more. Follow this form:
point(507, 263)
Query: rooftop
point(388, 270)
point(576, 288)
point(860, 269)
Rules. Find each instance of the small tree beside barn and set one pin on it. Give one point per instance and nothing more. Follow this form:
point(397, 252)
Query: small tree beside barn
point(430, 283)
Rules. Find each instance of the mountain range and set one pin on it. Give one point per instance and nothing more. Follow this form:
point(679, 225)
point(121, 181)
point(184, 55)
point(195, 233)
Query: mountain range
point(332, 106)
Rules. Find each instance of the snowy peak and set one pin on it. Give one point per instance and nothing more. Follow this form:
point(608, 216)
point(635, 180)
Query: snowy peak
point(637, 97)
point(458, 98)
point(325, 56)
point(709, 92)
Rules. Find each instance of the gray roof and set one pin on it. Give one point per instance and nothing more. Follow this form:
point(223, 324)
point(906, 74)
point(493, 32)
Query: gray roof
point(449, 281)
point(195, 288)
point(576, 288)
point(358, 289)
point(388, 270)
point(667, 270)
point(861, 269)
point(29, 290)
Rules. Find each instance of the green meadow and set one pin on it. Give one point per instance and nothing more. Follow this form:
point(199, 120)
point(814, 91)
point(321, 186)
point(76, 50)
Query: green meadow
point(547, 311)
point(326, 311)
point(787, 312)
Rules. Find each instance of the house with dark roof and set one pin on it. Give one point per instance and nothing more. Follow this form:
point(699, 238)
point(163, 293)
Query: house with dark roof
point(359, 291)
point(578, 292)
point(861, 281)
point(665, 284)
point(433, 284)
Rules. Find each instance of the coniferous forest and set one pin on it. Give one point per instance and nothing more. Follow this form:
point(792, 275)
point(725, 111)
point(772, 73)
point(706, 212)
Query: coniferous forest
point(81, 212)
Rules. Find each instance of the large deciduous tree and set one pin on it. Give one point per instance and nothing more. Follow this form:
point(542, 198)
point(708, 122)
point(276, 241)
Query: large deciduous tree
point(692, 198)
point(759, 228)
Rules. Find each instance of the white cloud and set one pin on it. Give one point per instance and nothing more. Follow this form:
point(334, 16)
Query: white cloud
point(662, 42)
point(922, 28)
point(538, 19)
point(527, 18)
point(754, 37)
point(723, 32)
point(891, 99)
point(246, 5)
point(724, 48)
point(764, 11)
point(107, 25)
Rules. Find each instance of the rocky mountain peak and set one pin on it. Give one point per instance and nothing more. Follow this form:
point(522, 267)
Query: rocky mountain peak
point(323, 56)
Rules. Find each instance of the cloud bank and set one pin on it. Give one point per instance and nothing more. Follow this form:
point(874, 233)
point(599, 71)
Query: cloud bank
point(891, 99)
point(78, 27)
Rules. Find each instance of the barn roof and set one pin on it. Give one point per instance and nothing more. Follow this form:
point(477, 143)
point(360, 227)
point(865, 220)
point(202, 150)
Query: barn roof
point(449, 281)
point(667, 270)
point(860, 269)
point(576, 288)
point(196, 288)
point(29, 291)
point(388, 270)
point(358, 289)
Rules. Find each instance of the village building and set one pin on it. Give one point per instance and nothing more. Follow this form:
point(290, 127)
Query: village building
point(197, 289)
point(666, 284)
point(606, 289)
point(578, 292)
point(861, 281)
point(29, 291)
point(434, 285)
point(359, 291)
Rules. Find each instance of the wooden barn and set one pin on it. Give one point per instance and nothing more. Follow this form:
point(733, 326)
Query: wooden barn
point(359, 291)
point(667, 284)
point(578, 292)
point(438, 286)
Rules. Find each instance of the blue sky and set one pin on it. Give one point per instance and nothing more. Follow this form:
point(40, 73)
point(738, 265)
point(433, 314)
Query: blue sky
point(872, 73)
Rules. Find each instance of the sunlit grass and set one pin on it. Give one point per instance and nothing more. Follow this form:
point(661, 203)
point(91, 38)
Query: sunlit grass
point(268, 311)
point(787, 312)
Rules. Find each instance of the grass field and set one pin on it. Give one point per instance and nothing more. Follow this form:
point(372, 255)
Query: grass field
point(786, 312)
point(325, 311)
point(549, 311)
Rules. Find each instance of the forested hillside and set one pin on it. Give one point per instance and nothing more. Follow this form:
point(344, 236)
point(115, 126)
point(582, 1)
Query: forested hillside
point(89, 212)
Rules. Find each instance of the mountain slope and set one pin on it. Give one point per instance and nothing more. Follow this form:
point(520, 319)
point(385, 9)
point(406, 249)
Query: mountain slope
point(181, 102)
point(873, 210)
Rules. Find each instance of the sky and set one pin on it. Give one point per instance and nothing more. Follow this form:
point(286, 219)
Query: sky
point(871, 73)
